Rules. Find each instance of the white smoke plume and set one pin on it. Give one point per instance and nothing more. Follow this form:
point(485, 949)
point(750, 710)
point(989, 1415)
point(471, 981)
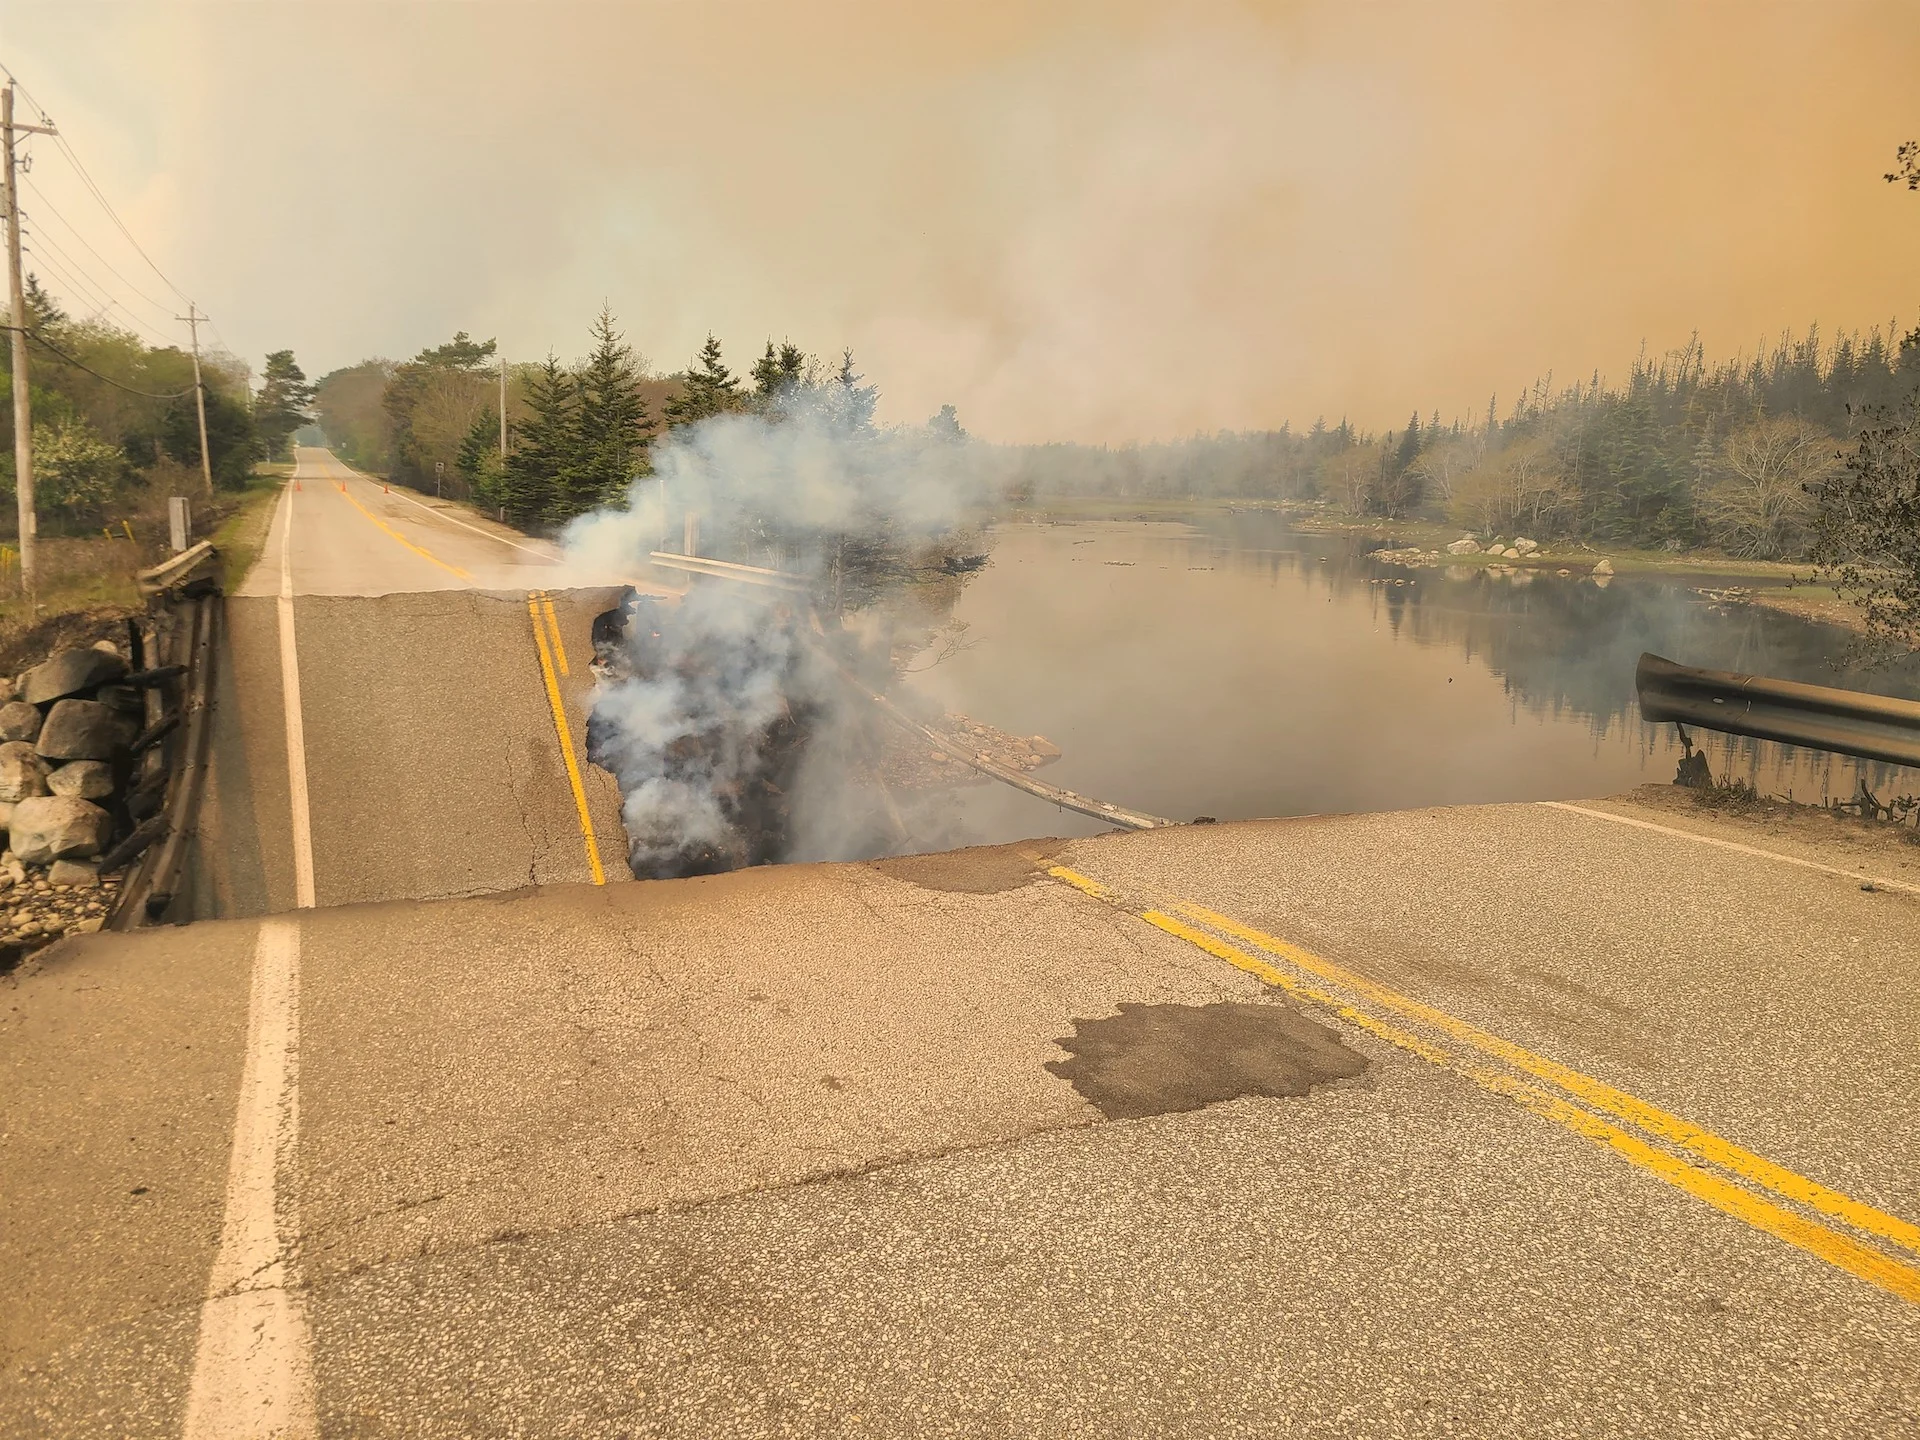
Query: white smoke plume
point(726, 715)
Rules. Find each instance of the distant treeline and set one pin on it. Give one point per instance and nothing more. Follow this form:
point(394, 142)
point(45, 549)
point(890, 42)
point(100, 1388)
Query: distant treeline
point(1683, 454)
point(577, 435)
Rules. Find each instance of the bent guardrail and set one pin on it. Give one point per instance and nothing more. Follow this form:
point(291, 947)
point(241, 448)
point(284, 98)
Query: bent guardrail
point(1848, 722)
point(172, 753)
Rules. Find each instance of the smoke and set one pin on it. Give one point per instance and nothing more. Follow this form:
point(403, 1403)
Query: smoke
point(732, 717)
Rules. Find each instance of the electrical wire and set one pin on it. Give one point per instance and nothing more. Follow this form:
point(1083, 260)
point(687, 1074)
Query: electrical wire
point(46, 344)
point(74, 231)
point(100, 291)
point(86, 177)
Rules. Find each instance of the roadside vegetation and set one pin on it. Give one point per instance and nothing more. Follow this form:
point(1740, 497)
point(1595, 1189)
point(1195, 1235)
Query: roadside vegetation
point(115, 434)
point(578, 434)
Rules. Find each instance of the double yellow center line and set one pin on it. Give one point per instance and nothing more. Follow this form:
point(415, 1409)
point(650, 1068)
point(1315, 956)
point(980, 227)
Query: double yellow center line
point(1728, 1177)
point(553, 654)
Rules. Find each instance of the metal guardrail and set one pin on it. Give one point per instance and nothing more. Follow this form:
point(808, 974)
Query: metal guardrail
point(185, 608)
point(728, 570)
point(1848, 722)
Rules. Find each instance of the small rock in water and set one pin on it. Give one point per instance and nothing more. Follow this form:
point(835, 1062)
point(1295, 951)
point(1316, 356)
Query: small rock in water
point(1605, 567)
point(1044, 748)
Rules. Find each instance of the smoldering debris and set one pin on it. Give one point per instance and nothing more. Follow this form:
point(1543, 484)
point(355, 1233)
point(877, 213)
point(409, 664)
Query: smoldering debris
point(738, 721)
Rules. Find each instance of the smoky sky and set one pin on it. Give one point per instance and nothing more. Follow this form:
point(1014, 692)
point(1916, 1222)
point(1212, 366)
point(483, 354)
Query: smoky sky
point(1073, 221)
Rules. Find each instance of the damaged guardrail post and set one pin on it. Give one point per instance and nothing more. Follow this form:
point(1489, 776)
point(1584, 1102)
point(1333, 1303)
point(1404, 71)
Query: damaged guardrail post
point(185, 607)
point(1847, 722)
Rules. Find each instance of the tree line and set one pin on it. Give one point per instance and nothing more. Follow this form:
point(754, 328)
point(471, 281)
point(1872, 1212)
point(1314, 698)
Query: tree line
point(577, 435)
point(114, 421)
point(1684, 453)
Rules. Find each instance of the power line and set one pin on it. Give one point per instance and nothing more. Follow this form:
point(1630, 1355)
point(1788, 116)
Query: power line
point(99, 290)
point(74, 231)
point(46, 344)
point(93, 187)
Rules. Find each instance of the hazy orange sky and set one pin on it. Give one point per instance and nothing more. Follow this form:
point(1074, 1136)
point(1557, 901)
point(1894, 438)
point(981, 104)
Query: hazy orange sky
point(1074, 221)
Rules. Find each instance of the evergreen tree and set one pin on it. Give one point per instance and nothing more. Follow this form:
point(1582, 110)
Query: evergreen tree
point(539, 469)
point(284, 404)
point(479, 460)
point(612, 431)
point(854, 403)
point(709, 388)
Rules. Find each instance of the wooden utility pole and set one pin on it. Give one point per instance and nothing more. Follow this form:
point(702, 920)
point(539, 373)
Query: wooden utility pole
point(503, 409)
point(16, 284)
point(192, 319)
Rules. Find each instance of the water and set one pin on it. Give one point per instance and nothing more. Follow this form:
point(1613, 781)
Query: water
point(1236, 668)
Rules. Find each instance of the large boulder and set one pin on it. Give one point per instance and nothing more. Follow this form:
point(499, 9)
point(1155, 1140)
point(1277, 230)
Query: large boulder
point(19, 721)
point(58, 827)
point(1465, 545)
point(23, 774)
point(71, 672)
point(1526, 546)
point(85, 779)
point(84, 730)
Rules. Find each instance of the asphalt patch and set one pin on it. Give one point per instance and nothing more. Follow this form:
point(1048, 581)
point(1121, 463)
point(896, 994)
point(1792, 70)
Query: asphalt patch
point(1163, 1059)
point(983, 870)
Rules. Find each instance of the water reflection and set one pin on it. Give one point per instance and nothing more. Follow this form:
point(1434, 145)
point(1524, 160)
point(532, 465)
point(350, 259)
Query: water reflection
point(1237, 668)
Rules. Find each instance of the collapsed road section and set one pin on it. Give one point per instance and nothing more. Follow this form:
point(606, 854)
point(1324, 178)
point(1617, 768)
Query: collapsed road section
point(743, 732)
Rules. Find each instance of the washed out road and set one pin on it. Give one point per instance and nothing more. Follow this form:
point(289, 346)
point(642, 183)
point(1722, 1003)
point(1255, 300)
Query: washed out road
point(1609, 1128)
point(435, 764)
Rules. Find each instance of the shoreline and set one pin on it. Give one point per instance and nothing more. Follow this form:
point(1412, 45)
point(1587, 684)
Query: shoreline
point(1421, 544)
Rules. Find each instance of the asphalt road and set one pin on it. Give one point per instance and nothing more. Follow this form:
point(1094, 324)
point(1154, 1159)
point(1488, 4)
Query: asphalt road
point(1524, 1120)
point(434, 762)
point(791, 1152)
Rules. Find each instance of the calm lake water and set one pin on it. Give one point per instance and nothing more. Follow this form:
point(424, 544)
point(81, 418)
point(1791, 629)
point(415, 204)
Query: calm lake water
point(1236, 668)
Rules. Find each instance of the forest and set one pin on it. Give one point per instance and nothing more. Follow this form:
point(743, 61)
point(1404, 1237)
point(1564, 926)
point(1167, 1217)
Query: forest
point(1684, 454)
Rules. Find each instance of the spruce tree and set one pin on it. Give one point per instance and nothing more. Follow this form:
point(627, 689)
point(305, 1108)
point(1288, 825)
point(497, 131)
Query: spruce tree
point(854, 402)
point(613, 428)
point(479, 460)
point(539, 469)
point(709, 388)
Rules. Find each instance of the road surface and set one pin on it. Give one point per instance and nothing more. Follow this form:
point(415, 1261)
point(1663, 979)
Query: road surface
point(434, 762)
point(1549, 1120)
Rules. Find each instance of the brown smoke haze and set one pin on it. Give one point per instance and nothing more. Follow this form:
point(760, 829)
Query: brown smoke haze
point(1077, 221)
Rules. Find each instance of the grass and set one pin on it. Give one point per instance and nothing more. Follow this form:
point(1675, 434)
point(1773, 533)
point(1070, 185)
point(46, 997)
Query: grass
point(243, 533)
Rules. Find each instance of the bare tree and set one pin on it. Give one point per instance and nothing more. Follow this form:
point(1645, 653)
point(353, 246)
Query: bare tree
point(1522, 485)
point(1758, 501)
point(1349, 473)
point(1441, 467)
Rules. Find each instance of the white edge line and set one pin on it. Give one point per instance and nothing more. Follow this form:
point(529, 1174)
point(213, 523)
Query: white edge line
point(1857, 876)
point(450, 519)
point(253, 1361)
point(297, 801)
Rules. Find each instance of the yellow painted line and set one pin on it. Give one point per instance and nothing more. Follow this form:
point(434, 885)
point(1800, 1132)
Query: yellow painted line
point(427, 555)
point(1836, 1249)
point(566, 742)
point(1631, 1108)
point(1832, 1246)
point(553, 627)
point(1082, 883)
